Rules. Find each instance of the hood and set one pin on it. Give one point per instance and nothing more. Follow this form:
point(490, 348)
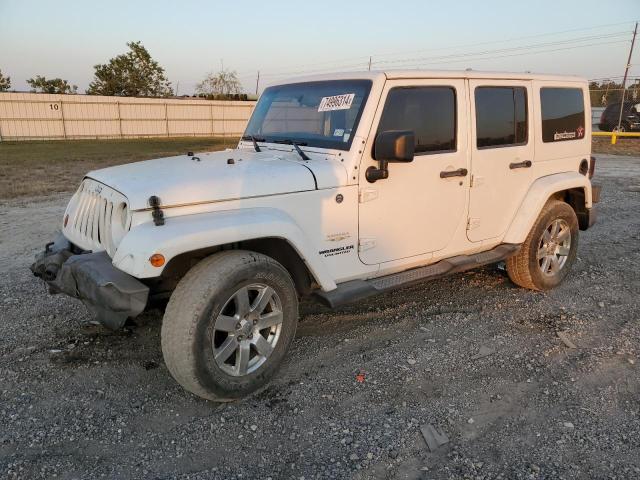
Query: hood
point(218, 176)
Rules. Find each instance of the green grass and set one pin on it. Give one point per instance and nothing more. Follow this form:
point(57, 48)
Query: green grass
point(42, 168)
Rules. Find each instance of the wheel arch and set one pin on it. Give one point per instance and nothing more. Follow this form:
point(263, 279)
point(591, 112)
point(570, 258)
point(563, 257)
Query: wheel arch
point(276, 248)
point(185, 240)
point(570, 187)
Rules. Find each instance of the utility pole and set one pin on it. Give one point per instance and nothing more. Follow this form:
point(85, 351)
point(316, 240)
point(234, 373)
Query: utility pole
point(257, 82)
point(369, 63)
point(626, 72)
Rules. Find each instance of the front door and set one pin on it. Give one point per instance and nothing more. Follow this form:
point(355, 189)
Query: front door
point(501, 154)
point(417, 210)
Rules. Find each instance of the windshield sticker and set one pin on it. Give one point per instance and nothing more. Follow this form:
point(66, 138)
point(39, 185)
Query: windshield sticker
point(336, 102)
point(338, 132)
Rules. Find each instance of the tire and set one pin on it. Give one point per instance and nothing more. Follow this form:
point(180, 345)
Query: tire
point(529, 268)
point(623, 128)
point(217, 310)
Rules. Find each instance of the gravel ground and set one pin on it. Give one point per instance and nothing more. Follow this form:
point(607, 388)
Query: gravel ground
point(470, 354)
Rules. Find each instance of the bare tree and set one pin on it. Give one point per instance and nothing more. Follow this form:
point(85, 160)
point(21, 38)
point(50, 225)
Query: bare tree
point(223, 83)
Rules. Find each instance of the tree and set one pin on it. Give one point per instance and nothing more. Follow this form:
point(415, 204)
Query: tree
point(55, 85)
point(132, 74)
point(5, 82)
point(221, 84)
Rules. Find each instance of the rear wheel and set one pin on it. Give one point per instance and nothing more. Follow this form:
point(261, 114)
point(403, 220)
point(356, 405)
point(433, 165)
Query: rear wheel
point(548, 253)
point(229, 324)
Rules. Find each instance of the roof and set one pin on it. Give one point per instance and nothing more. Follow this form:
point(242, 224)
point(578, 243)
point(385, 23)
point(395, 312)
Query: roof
point(423, 74)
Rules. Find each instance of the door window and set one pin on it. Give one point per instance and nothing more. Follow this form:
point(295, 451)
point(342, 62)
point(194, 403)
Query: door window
point(430, 112)
point(501, 116)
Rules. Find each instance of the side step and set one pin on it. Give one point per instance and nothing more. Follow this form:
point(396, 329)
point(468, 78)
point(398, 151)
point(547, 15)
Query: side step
point(355, 290)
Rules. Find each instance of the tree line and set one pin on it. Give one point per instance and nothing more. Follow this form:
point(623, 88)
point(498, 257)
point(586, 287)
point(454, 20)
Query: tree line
point(135, 74)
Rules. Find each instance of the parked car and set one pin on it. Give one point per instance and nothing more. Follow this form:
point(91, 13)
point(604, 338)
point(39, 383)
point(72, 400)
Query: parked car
point(630, 117)
point(342, 187)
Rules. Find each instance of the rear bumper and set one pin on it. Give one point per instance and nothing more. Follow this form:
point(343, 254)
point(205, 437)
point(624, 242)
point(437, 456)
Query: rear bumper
point(110, 294)
point(588, 217)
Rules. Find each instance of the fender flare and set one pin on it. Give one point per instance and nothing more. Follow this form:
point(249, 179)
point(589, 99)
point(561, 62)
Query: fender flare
point(537, 196)
point(193, 232)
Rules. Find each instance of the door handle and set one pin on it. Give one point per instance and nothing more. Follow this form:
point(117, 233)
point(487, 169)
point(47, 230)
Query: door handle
point(461, 172)
point(525, 164)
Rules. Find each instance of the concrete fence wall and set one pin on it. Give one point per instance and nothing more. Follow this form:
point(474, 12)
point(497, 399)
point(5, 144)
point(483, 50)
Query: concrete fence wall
point(33, 116)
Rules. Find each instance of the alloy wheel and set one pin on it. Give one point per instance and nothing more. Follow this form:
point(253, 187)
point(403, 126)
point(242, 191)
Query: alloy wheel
point(247, 329)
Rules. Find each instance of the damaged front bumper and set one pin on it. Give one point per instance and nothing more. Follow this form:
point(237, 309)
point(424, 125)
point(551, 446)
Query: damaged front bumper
point(110, 294)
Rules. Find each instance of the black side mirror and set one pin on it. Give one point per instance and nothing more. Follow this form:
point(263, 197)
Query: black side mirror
point(391, 146)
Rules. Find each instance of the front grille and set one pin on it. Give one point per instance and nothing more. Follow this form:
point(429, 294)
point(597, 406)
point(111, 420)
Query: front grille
point(97, 217)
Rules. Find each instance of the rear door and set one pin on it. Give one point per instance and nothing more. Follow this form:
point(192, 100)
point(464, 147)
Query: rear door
point(501, 154)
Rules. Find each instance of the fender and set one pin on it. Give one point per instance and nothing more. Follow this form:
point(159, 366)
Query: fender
point(194, 232)
point(537, 196)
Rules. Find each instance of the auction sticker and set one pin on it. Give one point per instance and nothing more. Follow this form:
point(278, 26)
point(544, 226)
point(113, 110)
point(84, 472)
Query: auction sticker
point(336, 102)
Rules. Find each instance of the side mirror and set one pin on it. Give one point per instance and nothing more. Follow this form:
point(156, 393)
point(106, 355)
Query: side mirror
point(391, 146)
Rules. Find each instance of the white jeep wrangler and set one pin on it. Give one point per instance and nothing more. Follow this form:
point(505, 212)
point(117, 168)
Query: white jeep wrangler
point(342, 186)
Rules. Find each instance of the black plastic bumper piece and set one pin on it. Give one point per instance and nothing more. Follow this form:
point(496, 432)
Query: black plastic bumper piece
point(588, 217)
point(111, 295)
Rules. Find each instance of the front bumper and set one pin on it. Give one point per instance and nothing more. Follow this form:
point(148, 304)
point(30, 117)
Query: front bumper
point(110, 294)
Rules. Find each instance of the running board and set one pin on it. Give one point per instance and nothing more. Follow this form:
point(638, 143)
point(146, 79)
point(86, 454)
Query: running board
point(355, 290)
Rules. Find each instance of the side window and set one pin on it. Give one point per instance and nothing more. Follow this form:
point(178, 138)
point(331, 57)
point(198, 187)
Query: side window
point(430, 112)
point(501, 116)
point(562, 114)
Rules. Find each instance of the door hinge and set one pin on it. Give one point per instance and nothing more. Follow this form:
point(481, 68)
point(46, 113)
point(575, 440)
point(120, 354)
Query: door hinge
point(473, 223)
point(476, 181)
point(366, 244)
point(368, 194)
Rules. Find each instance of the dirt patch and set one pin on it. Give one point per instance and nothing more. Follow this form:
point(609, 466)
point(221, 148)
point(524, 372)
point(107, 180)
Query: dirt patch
point(624, 146)
point(43, 168)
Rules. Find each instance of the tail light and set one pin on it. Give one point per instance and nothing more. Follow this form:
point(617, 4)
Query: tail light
point(592, 167)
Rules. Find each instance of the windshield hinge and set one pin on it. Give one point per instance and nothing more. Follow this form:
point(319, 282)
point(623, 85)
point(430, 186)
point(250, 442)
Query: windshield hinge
point(366, 244)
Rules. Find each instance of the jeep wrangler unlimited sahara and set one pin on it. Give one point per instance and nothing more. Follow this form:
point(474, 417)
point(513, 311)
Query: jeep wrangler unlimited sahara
point(342, 186)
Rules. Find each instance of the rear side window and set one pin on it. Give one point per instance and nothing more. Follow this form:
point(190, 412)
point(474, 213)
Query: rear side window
point(430, 112)
point(501, 116)
point(562, 114)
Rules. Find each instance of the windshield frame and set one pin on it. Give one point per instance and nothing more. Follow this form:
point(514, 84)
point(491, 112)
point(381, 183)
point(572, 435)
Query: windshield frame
point(283, 138)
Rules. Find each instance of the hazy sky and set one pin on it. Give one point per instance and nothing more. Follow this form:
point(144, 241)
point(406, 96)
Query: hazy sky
point(281, 38)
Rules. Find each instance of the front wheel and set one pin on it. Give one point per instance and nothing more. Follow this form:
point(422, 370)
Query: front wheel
point(548, 253)
point(229, 324)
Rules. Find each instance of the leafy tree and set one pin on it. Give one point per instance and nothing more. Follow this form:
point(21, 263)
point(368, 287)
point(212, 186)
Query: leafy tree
point(5, 82)
point(132, 74)
point(223, 84)
point(54, 85)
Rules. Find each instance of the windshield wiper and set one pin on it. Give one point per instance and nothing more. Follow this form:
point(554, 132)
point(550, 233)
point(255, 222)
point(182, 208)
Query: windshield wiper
point(296, 145)
point(255, 141)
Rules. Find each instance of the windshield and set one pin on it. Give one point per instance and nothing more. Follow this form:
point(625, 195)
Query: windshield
point(315, 114)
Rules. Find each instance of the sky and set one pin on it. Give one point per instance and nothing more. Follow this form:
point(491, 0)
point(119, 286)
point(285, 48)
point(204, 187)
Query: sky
point(286, 38)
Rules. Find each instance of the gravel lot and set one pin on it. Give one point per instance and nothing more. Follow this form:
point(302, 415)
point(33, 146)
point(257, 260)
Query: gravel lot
point(471, 354)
